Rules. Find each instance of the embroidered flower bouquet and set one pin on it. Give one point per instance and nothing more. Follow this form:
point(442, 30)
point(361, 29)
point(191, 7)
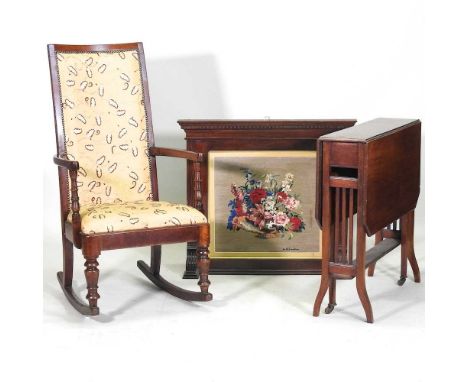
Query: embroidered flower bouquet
point(265, 206)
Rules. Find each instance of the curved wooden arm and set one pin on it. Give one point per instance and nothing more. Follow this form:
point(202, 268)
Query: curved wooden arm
point(196, 158)
point(66, 163)
point(176, 153)
point(72, 167)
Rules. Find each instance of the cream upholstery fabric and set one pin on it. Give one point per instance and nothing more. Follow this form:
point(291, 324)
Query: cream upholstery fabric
point(112, 217)
point(105, 125)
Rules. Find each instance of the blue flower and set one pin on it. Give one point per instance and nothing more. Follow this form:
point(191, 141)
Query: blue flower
point(248, 202)
point(231, 216)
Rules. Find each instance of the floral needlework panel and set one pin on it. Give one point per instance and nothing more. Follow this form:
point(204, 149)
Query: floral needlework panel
point(262, 204)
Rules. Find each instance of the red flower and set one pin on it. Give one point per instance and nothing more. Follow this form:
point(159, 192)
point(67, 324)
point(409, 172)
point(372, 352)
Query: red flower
point(281, 196)
point(257, 195)
point(240, 208)
point(295, 223)
point(257, 217)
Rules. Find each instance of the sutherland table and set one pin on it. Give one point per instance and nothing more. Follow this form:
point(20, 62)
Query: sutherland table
point(371, 169)
point(205, 135)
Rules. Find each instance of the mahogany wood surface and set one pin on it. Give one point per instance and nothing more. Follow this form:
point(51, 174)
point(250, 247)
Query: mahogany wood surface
point(175, 153)
point(65, 163)
point(203, 136)
point(92, 245)
point(371, 170)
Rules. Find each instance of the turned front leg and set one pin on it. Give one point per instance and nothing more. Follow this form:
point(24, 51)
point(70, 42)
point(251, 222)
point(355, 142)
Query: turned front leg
point(91, 253)
point(203, 260)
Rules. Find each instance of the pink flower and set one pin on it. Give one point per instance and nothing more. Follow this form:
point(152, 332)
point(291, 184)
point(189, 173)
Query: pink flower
point(237, 192)
point(291, 203)
point(257, 216)
point(268, 215)
point(281, 218)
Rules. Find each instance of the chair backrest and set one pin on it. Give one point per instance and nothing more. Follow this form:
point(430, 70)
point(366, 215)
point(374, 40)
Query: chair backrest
point(103, 121)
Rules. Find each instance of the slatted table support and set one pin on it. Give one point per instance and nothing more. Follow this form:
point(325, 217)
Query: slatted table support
point(369, 186)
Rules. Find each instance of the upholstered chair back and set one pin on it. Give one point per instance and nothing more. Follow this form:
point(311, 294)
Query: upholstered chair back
point(105, 123)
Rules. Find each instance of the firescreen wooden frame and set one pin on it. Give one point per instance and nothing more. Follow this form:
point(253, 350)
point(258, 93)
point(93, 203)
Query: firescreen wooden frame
point(204, 135)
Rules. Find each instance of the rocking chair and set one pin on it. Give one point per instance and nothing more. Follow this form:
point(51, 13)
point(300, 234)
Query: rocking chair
point(107, 169)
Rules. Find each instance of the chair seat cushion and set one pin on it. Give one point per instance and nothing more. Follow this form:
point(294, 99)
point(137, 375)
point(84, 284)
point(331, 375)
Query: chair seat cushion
point(112, 217)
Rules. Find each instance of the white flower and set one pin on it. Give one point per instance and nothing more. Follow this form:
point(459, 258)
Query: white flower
point(270, 225)
point(268, 178)
point(269, 204)
point(289, 177)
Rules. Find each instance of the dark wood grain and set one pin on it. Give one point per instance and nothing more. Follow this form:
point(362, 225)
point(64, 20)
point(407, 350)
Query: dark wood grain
point(264, 134)
point(372, 130)
point(144, 237)
point(327, 239)
point(97, 47)
point(268, 124)
point(372, 172)
point(175, 153)
point(65, 163)
point(195, 198)
point(392, 176)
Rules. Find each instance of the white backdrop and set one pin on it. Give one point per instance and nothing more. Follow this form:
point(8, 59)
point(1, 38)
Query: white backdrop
point(250, 60)
point(213, 59)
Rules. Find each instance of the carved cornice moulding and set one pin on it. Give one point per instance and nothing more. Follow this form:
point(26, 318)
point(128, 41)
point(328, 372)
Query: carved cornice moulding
point(241, 124)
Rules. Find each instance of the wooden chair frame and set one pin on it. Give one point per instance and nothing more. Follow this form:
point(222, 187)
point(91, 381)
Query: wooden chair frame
point(91, 245)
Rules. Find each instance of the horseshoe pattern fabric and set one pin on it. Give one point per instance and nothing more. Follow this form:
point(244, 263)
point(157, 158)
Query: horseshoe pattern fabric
point(113, 217)
point(105, 125)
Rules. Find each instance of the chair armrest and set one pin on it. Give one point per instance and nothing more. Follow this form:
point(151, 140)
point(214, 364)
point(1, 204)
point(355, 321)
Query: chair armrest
point(176, 153)
point(71, 165)
point(197, 159)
